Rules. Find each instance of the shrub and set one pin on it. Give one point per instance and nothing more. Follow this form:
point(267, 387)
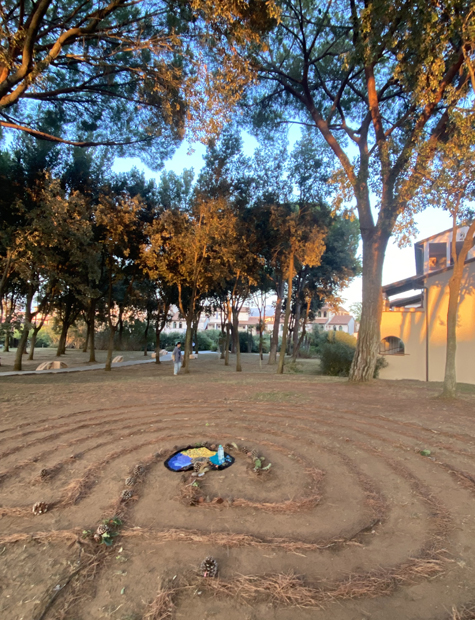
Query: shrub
point(245, 339)
point(337, 354)
point(336, 358)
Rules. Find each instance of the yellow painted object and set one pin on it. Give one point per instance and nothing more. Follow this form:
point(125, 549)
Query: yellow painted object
point(195, 453)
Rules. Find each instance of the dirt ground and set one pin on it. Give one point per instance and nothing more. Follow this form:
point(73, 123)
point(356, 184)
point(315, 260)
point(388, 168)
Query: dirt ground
point(351, 522)
point(73, 358)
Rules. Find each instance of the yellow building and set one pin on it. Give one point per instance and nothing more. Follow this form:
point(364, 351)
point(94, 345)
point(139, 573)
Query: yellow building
point(414, 321)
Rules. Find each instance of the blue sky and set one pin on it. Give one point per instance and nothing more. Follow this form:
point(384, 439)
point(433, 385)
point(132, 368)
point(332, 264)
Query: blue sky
point(398, 264)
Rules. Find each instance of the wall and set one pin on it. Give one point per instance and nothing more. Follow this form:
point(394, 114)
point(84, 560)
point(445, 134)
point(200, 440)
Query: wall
point(410, 326)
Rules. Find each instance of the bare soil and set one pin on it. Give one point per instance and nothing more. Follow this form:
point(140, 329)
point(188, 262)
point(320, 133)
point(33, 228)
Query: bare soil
point(351, 522)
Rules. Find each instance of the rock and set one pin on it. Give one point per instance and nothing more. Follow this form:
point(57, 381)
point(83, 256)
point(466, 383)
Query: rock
point(117, 359)
point(192, 356)
point(57, 365)
point(154, 355)
point(44, 366)
point(163, 352)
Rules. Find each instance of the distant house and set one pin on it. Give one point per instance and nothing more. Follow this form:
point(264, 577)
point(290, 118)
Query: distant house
point(414, 320)
point(327, 318)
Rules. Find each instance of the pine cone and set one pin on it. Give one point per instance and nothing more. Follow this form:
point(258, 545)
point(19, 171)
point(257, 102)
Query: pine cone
point(39, 508)
point(254, 454)
point(102, 529)
point(243, 449)
point(138, 470)
point(130, 481)
point(44, 473)
point(126, 494)
point(209, 567)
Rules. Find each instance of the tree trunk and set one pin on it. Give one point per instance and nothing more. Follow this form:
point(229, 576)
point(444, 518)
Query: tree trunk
point(237, 344)
point(6, 344)
point(366, 354)
point(280, 367)
point(92, 332)
point(226, 346)
point(158, 333)
point(26, 330)
point(61, 350)
point(455, 284)
point(223, 338)
point(110, 348)
point(274, 342)
point(188, 341)
point(21, 348)
point(33, 341)
point(121, 328)
point(303, 334)
point(145, 335)
point(195, 333)
point(295, 334)
point(88, 331)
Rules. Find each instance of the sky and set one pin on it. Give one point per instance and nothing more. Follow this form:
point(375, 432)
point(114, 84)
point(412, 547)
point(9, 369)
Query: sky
point(398, 264)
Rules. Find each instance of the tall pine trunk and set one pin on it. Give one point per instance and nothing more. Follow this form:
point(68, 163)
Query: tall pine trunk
point(295, 333)
point(92, 332)
point(34, 336)
point(121, 329)
point(296, 350)
point(226, 345)
point(88, 331)
point(158, 333)
point(146, 335)
point(366, 354)
point(26, 330)
point(61, 350)
point(223, 339)
point(280, 367)
point(110, 348)
point(188, 341)
point(274, 342)
point(237, 344)
point(455, 284)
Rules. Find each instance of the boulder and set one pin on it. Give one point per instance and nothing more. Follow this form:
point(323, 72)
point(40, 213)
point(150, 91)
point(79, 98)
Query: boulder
point(57, 365)
point(117, 359)
point(154, 355)
point(192, 356)
point(44, 366)
point(163, 352)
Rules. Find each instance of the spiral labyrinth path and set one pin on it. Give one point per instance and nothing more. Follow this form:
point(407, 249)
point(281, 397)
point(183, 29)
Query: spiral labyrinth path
point(353, 519)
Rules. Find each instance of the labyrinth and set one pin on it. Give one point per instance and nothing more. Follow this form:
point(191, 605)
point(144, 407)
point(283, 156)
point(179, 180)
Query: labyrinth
point(366, 508)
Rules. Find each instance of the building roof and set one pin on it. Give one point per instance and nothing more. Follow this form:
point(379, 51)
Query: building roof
point(442, 232)
point(408, 284)
point(406, 301)
point(416, 282)
point(340, 319)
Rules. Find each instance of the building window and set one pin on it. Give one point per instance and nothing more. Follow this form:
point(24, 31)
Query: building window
point(437, 256)
point(174, 324)
point(391, 346)
point(334, 328)
point(320, 313)
point(325, 314)
point(179, 325)
point(340, 328)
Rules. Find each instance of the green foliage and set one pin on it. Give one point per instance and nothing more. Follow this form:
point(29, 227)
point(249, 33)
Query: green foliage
point(246, 339)
point(336, 353)
point(336, 358)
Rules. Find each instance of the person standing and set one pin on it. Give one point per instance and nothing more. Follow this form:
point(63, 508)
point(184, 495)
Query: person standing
point(176, 356)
